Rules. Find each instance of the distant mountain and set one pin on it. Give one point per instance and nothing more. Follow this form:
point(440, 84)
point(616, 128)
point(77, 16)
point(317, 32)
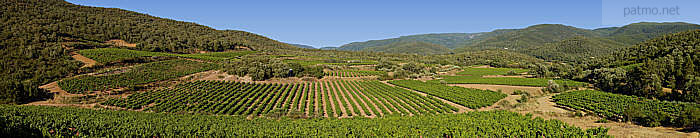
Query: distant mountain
point(536, 35)
point(302, 46)
point(411, 47)
point(546, 41)
point(637, 32)
point(328, 48)
point(574, 49)
point(449, 40)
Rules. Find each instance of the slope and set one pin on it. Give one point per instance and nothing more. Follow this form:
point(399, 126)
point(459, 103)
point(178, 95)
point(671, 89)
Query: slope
point(410, 47)
point(449, 40)
point(34, 33)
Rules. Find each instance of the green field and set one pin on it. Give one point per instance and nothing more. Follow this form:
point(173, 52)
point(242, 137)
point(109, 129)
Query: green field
point(134, 76)
point(471, 98)
point(490, 71)
point(365, 98)
point(534, 82)
point(38, 121)
point(108, 55)
point(474, 76)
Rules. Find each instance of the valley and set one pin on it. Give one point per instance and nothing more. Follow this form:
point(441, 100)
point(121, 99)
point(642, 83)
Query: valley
point(70, 70)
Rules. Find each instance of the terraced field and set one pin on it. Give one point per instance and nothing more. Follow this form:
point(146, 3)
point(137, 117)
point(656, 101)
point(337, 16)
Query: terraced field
point(108, 55)
point(134, 76)
point(321, 99)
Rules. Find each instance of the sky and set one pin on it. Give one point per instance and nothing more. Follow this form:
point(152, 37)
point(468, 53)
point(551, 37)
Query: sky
point(329, 23)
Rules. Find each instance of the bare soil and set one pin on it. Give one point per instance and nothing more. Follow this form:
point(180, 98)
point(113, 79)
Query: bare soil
point(87, 61)
point(119, 42)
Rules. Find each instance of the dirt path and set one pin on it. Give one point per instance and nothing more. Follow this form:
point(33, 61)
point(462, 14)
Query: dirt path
point(461, 108)
point(366, 100)
point(87, 61)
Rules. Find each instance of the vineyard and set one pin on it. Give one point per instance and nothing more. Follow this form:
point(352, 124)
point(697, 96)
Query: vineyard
point(617, 106)
point(353, 73)
point(40, 121)
point(327, 99)
point(108, 55)
point(471, 98)
point(134, 76)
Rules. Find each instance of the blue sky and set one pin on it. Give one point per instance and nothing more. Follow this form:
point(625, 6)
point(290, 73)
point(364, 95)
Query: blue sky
point(322, 23)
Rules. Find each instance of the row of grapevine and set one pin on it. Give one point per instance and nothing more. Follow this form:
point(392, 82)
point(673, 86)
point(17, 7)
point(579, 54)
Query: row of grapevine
point(328, 98)
point(353, 73)
point(613, 105)
point(471, 98)
point(134, 76)
point(38, 121)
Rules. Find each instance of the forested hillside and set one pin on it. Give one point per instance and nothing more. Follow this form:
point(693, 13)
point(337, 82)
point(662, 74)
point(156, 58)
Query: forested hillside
point(450, 40)
point(409, 47)
point(575, 49)
point(545, 41)
point(36, 34)
point(302, 46)
point(637, 32)
point(532, 36)
point(670, 61)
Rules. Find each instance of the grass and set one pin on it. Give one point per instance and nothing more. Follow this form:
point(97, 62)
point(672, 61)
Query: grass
point(490, 71)
point(535, 82)
point(474, 76)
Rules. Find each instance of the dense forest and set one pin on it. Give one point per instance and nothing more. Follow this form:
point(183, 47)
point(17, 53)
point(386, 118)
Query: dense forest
point(551, 42)
point(36, 37)
point(669, 62)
